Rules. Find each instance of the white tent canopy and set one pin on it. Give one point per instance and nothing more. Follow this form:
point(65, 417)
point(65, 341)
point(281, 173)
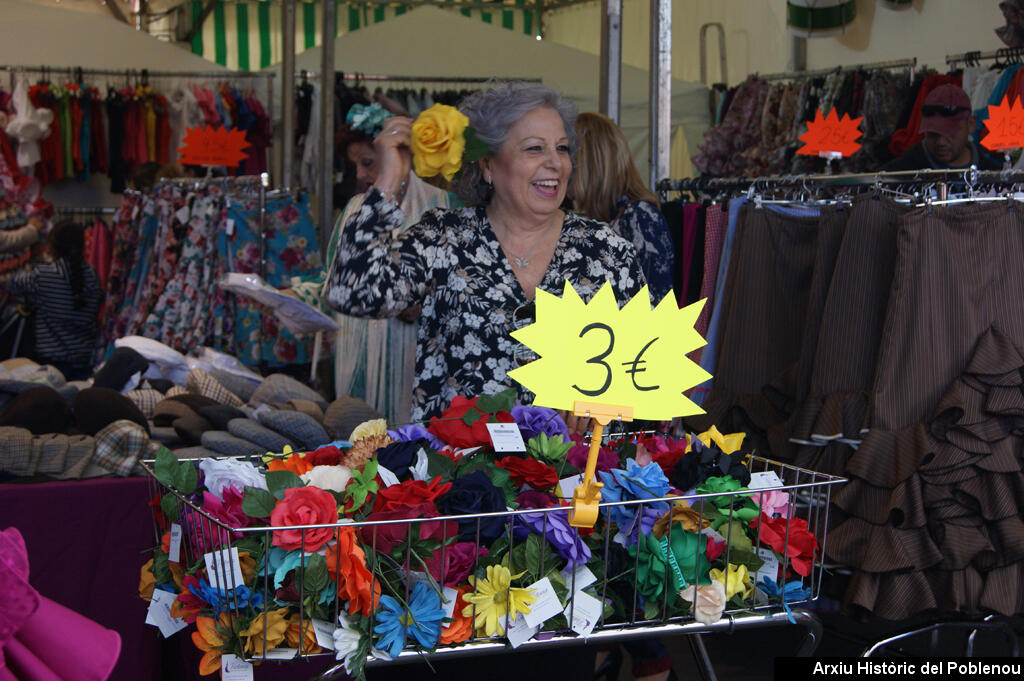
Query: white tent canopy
point(35, 35)
point(433, 42)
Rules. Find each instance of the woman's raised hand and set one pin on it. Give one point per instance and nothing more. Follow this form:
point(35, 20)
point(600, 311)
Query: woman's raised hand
point(394, 154)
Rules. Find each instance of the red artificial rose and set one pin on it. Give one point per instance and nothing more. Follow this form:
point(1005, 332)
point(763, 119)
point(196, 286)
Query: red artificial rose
point(665, 451)
point(410, 493)
point(304, 506)
point(453, 431)
point(537, 475)
point(714, 549)
point(802, 543)
point(384, 538)
point(325, 456)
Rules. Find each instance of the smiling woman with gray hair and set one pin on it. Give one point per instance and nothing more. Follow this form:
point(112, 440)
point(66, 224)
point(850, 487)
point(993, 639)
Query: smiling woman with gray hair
point(475, 270)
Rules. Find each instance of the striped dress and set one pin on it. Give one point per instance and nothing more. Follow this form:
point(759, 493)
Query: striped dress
point(65, 335)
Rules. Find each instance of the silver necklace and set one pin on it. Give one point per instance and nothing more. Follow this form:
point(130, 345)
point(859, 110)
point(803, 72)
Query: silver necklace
point(522, 261)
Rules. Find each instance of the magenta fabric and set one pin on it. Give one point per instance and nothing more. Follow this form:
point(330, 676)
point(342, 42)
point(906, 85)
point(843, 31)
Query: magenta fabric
point(690, 211)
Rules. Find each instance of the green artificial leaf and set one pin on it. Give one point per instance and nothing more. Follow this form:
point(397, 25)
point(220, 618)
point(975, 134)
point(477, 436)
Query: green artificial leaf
point(651, 609)
point(250, 543)
point(516, 559)
point(549, 449)
point(471, 416)
point(163, 467)
point(169, 505)
point(257, 503)
point(439, 464)
point(492, 404)
point(739, 556)
point(161, 569)
point(314, 578)
point(363, 484)
point(184, 476)
point(279, 481)
point(475, 148)
point(628, 451)
point(502, 479)
point(534, 555)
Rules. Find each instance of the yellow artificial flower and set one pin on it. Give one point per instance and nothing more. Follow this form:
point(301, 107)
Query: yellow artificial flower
point(276, 624)
point(147, 580)
point(727, 443)
point(493, 598)
point(438, 140)
point(368, 429)
point(683, 514)
point(736, 581)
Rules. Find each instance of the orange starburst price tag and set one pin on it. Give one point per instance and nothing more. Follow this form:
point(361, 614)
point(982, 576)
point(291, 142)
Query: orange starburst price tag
point(1005, 125)
point(831, 135)
point(213, 147)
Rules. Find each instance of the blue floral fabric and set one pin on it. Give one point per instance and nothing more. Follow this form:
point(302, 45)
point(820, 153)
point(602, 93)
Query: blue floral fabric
point(642, 224)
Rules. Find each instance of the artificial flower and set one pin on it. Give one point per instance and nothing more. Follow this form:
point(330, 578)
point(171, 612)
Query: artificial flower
point(533, 421)
point(704, 461)
point(328, 455)
point(463, 425)
point(727, 443)
point(666, 451)
point(203, 535)
point(347, 639)
point(472, 494)
point(789, 537)
point(368, 119)
point(220, 600)
point(635, 482)
point(385, 538)
point(422, 619)
point(683, 514)
point(531, 498)
point(210, 636)
point(147, 580)
point(773, 503)
point(451, 564)
point(364, 450)
point(304, 506)
point(165, 542)
point(554, 526)
point(346, 564)
point(793, 592)
point(370, 428)
point(577, 456)
point(265, 632)
point(301, 630)
point(708, 601)
point(420, 469)
point(461, 626)
point(221, 473)
point(296, 463)
point(414, 431)
point(410, 493)
point(330, 478)
point(530, 472)
point(227, 508)
point(494, 598)
point(736, 579)
point(681, 560)
point(187, 605)
point(438, 141)
point(399, 457)
point(738, 505)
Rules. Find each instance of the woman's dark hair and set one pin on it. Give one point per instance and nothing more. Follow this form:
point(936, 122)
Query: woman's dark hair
point(67, 238)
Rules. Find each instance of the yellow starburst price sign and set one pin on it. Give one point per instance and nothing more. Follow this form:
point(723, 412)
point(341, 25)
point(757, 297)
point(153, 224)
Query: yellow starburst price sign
point(596, 352)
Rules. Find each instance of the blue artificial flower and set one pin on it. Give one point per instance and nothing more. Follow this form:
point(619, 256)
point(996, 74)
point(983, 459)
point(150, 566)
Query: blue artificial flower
point(414, 431)
point(236, 598)
point(369, 119)
point(422, 620)
point(636, 482)
point(793, 592)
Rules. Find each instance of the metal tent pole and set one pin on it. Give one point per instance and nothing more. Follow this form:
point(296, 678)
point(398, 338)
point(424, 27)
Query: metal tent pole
point(611, 58)
point(286, 176)
point(661, 89)
point(327, 123)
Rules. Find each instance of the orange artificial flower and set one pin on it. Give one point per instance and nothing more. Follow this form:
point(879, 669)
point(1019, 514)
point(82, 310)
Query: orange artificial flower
point(209, 639)
point(346, 563)
point(294, 463)
point(177, 574)
point(462, 626)
point(147, 580)
point(248, 565)
point(308, 636)
point(165, 542)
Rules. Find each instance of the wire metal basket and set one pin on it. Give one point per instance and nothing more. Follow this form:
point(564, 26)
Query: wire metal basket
point(629, 609)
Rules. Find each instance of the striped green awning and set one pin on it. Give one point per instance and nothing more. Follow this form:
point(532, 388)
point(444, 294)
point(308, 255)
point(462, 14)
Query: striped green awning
point(247, 35)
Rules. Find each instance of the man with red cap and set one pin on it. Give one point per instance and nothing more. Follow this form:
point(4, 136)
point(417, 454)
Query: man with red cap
point(946, 123)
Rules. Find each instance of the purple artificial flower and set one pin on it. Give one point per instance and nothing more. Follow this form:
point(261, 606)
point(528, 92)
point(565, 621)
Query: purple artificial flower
point(531, 498)
point(414, 431)
point(607, 459)
point(533, 421)
point(556, 529)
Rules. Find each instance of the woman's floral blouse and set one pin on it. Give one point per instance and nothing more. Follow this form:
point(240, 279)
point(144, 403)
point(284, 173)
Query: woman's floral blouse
point(452, 264)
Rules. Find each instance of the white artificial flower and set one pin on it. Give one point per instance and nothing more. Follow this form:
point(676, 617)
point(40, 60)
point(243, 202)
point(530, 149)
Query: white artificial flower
point(419, 469)
point(346, 641)
point(330, 478)
point(710, 601)
point(368, 429)
point(221, 473)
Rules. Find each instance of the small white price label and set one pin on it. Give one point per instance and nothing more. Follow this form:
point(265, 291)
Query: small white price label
point(174, 551)
point(506, 437)
point(224, 566)
point(234, 668)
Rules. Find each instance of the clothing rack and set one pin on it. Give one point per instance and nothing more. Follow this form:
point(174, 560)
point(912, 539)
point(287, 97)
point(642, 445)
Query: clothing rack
point(970, 175)
point(876, 66)
point(303, 74)
point(84, 210)
point(1010, 54)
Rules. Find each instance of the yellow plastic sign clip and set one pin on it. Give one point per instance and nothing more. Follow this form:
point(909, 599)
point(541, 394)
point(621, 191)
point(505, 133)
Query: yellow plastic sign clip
point(588, 495)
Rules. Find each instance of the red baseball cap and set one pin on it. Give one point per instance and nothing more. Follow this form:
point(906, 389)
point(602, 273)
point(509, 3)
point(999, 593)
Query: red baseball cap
point(944, 109)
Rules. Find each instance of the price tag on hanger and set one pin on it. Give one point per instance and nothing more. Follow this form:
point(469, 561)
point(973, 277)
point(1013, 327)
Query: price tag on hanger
point(595, 352)
point(1005, 124)
point(213, 147)
point(831, 136)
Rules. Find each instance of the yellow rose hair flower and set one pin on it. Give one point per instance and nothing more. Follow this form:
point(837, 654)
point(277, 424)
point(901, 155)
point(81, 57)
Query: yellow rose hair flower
point(493, 598)
point(368, 429)
point(442, 140)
